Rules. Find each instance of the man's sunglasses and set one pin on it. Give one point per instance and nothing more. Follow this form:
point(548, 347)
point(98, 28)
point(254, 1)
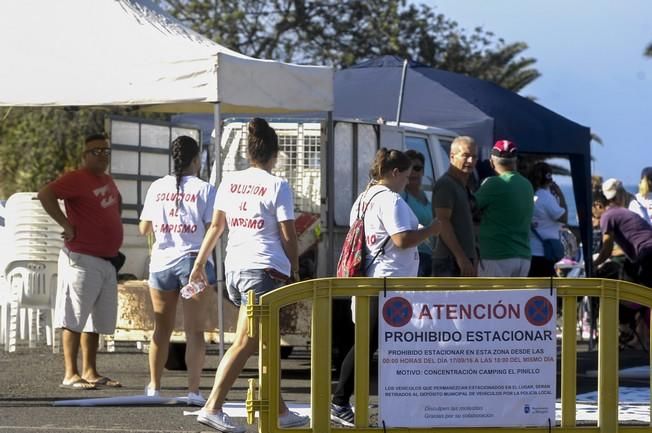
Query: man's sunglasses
point(106, 151)
point(417, 167)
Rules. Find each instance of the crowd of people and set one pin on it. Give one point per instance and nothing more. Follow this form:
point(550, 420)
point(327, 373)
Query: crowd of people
point(624, 248)
point(508, 227)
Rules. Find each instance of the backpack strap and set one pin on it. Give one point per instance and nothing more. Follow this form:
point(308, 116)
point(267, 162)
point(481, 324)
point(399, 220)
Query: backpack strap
point(380, 251)
point(642, 208)
point(366, 205)
point(536, 233)
point(382, 246)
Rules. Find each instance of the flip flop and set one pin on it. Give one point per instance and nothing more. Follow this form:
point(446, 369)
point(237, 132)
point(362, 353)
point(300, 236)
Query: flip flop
point(79, 384)
point(105, 381)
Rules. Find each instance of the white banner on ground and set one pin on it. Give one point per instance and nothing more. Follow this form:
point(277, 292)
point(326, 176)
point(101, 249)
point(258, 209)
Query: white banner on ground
point(467, 358)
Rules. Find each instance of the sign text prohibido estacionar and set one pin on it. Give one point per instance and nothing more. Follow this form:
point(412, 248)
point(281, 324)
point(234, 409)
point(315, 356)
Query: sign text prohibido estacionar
point(467, 358)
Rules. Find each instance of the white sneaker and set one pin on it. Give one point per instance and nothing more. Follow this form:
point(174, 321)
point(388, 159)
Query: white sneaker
point(195, 399)
point(292, 419)
point(149, 392)
point(220, 421)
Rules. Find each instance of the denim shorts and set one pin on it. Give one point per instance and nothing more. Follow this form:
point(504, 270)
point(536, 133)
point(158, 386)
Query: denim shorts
point(240, 281)
point(176, 277)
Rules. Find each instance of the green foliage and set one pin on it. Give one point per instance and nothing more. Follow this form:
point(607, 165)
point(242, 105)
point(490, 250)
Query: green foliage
point(38, 144)
point(648, 50)
point(342, 33)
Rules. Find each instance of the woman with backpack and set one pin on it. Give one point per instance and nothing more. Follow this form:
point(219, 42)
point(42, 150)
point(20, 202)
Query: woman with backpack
point(261, 255)
point(392, 235)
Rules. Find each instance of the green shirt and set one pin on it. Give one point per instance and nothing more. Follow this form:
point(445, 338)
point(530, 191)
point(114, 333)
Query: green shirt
point(506, 203)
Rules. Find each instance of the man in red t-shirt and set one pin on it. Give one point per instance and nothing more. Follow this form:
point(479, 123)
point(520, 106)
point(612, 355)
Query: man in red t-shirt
point(87, 299)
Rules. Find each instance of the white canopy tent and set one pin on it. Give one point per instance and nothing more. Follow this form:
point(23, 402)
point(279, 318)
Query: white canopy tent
point(129, 52)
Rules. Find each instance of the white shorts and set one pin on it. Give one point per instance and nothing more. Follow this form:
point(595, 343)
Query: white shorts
point(87, 294)
point(515, 267)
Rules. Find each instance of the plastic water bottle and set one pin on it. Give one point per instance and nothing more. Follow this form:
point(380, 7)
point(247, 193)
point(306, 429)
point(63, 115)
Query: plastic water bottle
point(191, 289)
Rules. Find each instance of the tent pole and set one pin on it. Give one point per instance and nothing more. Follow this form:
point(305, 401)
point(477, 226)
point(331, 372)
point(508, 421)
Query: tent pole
point(399, 110)
point(219, 261)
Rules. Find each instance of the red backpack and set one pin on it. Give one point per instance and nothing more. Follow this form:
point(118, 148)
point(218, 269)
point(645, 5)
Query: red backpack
point(352, 258)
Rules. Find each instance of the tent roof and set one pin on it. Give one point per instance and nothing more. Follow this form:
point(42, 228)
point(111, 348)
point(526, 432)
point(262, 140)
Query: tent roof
point(129, 52)
point(371, 92)
point(533, 127)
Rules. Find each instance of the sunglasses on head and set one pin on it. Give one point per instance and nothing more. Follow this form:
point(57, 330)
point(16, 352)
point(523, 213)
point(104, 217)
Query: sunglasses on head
point(106, 151)
point(417, 167)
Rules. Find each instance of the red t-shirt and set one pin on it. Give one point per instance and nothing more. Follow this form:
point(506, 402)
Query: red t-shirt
point(93, 208)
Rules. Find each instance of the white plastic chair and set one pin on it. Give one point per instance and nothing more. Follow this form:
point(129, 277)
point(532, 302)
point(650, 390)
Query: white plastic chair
point(30, 272)
point(4, 309)
point(32, 287)
point(4, 289)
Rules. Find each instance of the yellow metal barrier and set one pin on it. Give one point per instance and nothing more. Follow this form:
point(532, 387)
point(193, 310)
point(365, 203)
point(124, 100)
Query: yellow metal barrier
point(321, 292)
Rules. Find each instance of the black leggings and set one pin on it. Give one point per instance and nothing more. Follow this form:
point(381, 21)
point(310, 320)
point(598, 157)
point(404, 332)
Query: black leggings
point(344, 388)
point(541, 267)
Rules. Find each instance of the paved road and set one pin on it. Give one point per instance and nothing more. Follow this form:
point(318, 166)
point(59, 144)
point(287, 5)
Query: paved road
point(29, 385)
point(30, 381)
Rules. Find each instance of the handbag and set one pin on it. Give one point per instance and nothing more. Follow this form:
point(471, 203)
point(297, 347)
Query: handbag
point(553, 249)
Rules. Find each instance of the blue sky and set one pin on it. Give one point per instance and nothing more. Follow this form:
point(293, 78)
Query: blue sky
point(590, 55)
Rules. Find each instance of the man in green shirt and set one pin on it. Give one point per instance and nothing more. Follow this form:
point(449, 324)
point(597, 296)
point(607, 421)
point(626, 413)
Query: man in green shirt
point(506, 202)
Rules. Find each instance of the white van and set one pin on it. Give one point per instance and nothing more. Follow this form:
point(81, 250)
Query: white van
point(325, 180)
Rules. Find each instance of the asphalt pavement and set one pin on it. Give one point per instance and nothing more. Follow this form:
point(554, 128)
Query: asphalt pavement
point(30, 379)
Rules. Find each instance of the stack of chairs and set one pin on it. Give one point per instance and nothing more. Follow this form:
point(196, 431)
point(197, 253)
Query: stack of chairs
point(32, 241)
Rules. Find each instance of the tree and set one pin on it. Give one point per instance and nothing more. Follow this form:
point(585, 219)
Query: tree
point(37, 144)
point(648, 50)
point(342, 33)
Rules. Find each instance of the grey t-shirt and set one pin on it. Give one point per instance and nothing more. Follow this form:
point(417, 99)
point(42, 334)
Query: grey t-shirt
point(449, 193)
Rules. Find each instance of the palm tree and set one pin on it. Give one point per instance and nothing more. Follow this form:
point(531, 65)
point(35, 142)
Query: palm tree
point(648, 50)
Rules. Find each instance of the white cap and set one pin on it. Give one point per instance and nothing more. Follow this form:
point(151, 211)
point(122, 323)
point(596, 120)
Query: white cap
point(610, 188)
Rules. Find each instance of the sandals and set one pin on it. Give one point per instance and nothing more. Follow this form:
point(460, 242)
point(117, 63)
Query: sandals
point(79, 384)
point(105, 381)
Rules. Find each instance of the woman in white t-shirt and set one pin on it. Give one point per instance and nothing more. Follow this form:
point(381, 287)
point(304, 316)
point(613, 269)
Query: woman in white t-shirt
point(177, 210)
point(261, 255)
point(392, 234)
point(642, 203)
point(547, 218)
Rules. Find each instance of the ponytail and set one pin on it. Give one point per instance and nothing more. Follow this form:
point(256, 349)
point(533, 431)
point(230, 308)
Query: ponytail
point(387, 160)
point(262, 141)
point(184, 150)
